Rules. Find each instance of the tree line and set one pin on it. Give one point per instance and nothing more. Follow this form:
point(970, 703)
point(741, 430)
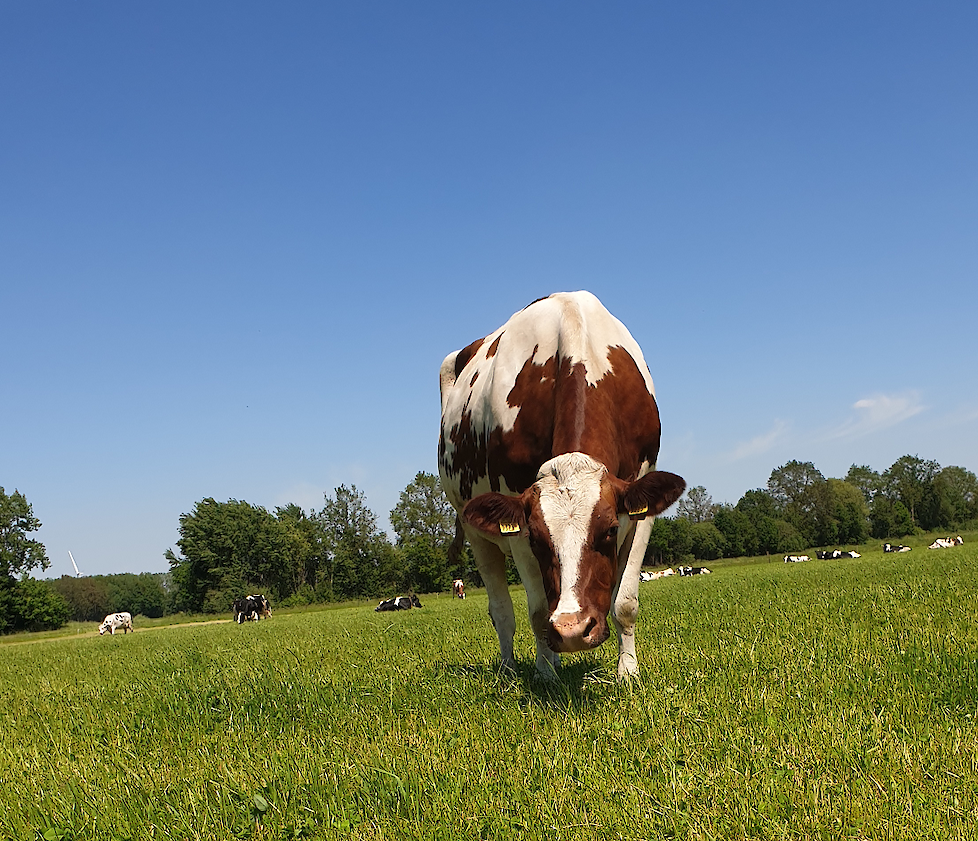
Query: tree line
point(336, 553)
point(339, 553)
point(800, 508)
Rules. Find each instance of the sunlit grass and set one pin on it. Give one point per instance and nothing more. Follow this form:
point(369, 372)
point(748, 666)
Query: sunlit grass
point(829, 699)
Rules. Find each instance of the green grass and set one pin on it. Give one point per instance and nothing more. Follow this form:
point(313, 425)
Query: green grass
point(834, 699)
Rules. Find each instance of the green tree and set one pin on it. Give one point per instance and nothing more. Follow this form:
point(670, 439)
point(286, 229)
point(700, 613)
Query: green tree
point(88, 597)
point(360, 560)
point(423, 566)
point(37, 607)
point(866, 479)
point(307, 555)
point(425, 524)
point(19, 554)
point(423, 510)
point(228, 548)
point(756, 503)
point(849, 512)
point(708, 542)
point(739, 533)
point(696, 505)
point(774, 535)
point(799, 496)
point(25, 604)
point(908, 480)
point(889, 519)
point(953, 498)
point(789, 483)
point(671, 541)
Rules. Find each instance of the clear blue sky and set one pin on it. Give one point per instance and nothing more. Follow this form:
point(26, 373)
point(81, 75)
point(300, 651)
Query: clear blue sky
point(237, 238)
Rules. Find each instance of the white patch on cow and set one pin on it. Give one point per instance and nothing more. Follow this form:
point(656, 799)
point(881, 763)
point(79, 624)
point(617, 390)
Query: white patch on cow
point(552, 327)
point(570, 487)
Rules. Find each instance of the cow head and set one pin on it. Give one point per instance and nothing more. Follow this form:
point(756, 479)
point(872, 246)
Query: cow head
point(574, 520)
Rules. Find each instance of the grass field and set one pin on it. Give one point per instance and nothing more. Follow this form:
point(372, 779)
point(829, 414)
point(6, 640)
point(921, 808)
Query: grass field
point(833, 699)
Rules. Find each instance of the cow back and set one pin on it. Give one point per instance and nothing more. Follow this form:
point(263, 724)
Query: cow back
point(561, 376)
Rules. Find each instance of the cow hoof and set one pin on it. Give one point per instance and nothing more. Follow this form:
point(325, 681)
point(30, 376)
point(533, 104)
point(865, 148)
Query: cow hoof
point(628, 668)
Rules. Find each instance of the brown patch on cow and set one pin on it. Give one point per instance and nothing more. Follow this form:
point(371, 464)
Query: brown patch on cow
point(615, 421)
point(494, 346)
point(541, 544)
point(471, 453)
point(599, 561)
point(463, 357)
point(475, 376)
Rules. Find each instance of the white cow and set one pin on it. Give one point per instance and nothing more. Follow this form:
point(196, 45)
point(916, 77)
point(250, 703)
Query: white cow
point(115, 621)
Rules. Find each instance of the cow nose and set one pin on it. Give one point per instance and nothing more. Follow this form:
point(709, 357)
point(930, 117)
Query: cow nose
point(580, 631)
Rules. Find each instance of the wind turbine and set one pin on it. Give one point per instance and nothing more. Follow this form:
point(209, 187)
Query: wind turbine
point(77, 573)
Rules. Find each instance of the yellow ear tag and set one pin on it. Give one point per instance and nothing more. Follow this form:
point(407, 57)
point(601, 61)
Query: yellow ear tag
point(509, 528)
point(640, 513)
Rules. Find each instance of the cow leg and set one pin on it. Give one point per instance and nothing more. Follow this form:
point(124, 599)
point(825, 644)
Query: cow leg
point(624, 600)
point(538, 609)
point(491, 563)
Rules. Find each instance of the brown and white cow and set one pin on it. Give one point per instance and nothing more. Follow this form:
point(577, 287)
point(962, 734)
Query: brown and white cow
point(549, 439)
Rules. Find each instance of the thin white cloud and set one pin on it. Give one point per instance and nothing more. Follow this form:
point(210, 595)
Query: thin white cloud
point(880, 411)
point(761, 443)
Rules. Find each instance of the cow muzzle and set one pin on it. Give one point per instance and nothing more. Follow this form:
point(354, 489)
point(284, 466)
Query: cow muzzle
point(581, 631)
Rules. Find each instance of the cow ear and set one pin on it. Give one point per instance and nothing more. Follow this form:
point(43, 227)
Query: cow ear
point(652, 494)
point(496, 514)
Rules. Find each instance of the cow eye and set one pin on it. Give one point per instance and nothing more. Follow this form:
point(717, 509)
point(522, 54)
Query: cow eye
point(612, 533)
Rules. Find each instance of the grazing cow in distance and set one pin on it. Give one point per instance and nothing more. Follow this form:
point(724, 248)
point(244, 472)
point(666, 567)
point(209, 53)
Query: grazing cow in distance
point(796, 559)
point(547, 451)
point(458, 588)
point(833, 554)
point(251, 608)
point(889, 547)
point(398, 603)
point(114, 621)
point(694, 571)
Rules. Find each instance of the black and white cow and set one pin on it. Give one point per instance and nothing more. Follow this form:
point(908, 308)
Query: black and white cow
point(946, 542)
point(398, 603)
point(694, 571)
point(834, 554)
point(796, 559)
point(252, 608)
point(114, 621)
point(655, 576)
point(889, 547)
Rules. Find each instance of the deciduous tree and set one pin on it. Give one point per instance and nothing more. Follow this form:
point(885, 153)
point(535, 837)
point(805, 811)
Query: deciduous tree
point(908, 480)
point(696, 505)
point(359, 557)
point(19, 554)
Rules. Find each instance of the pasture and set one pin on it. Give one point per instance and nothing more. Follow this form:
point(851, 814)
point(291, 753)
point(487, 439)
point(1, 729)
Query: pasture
point(831, 699)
